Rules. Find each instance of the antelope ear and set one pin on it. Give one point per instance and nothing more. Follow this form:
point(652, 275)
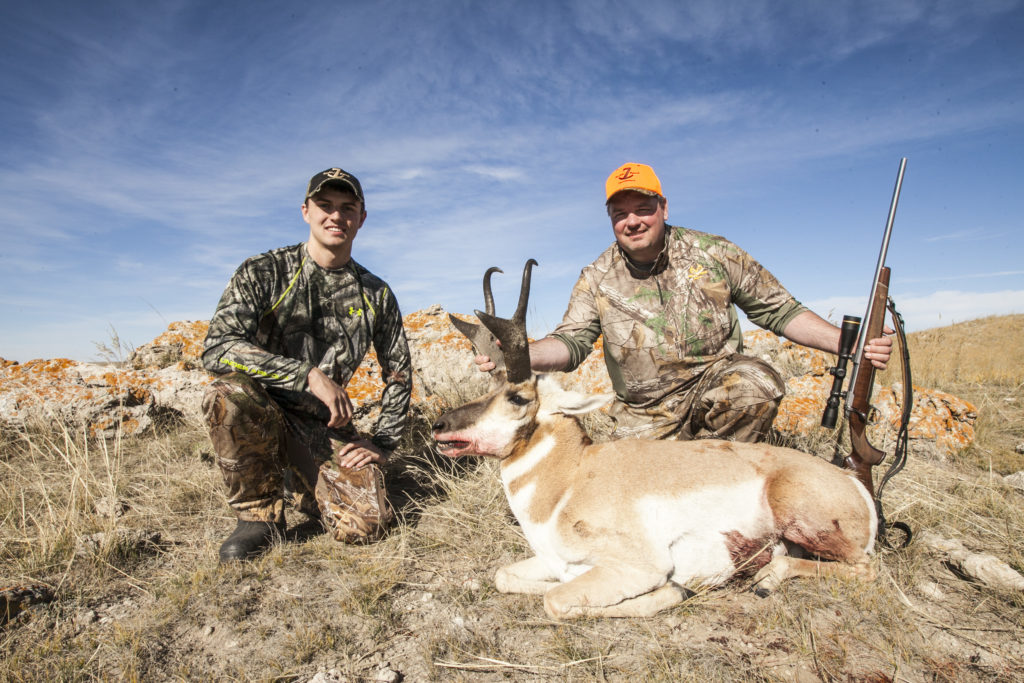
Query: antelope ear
point(573, 403)
point(483, 342)
point(555, 399)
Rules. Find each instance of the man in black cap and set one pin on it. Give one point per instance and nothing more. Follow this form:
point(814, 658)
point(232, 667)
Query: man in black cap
point(290, 330)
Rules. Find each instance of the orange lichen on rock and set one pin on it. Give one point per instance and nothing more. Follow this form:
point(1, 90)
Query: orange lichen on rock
point(39, 380)
point(100, 398)
point(803, 404)
point(591, 377)
point(431, 326)
point(181, 342)
point(943, 419)
point(186, 334)
point(940, 424)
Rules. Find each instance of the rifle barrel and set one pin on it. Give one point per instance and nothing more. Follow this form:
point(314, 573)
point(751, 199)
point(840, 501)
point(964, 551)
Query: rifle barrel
point(862, 336)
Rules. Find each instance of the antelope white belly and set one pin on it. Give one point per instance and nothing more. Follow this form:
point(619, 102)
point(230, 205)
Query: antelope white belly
point(543, 535)
point(693, 528)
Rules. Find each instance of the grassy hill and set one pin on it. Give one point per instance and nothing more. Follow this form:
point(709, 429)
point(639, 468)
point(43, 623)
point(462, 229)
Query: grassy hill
point(981, 361)
point(124, 534)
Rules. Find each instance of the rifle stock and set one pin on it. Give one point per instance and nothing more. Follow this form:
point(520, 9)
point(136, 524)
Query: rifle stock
point(863, 456)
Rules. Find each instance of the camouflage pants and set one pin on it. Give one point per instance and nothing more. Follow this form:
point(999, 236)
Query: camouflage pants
point(262, 450)
point(737, 398)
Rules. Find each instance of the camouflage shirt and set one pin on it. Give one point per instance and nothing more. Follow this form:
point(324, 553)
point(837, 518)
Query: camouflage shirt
point(662, 329)
point(282, 314)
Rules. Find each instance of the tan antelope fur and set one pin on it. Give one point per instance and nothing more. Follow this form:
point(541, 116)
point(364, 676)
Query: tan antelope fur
point(618, 528)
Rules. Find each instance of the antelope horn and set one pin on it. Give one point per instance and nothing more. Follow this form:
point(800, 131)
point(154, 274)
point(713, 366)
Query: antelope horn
point(484, 343)
point(488, 297)
point(524, 295)
point(512, 333)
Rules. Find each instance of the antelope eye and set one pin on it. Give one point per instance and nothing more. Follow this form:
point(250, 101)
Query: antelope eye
point(518, 399)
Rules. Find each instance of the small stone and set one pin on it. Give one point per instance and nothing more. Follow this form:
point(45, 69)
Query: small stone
point(387, 675)
point(1020, 448)
point(987, 659)
point(90, 545)
point(83, 619)
point(931, 590)
point(110, 507)
point(1015, 480)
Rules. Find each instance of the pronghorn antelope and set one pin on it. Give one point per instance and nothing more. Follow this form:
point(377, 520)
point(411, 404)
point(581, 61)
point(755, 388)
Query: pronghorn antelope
point(619, 528)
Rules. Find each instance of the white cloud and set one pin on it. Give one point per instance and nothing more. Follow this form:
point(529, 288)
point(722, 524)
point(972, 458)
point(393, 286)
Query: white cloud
point(503, 173)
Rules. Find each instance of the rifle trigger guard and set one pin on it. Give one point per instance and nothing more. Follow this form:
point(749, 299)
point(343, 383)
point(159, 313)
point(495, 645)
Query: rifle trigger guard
point(872, 413)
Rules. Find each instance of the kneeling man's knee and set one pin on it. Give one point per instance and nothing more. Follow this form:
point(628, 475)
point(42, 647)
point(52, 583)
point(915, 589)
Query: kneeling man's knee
point(752, 381)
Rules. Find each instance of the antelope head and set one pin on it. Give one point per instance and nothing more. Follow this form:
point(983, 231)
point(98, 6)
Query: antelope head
point(510, 333)
point(495, 423)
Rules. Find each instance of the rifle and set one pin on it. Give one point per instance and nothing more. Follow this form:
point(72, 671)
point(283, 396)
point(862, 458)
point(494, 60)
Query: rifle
point(863, 456)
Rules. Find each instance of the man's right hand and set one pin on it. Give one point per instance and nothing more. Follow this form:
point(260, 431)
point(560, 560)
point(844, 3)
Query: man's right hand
point(332, 395)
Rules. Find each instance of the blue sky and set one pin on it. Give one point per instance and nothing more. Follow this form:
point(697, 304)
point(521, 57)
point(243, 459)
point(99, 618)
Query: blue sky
point(146, 149)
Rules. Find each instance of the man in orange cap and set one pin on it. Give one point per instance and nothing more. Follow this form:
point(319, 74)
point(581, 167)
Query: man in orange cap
point(665, 299)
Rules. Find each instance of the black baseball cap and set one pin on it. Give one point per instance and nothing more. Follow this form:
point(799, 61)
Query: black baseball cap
point(335, 176)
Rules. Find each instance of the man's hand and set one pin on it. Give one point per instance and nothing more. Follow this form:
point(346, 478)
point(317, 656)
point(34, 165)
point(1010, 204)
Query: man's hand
point(484, 363)
point(878, 350)
point(332, 395)
point(359, 453)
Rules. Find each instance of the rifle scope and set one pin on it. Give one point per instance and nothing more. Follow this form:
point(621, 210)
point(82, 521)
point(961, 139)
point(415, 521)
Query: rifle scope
point(847, 336)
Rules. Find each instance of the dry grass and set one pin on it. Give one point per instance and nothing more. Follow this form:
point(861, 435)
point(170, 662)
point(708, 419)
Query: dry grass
point(982, 352)
point(139, 594)
point(981, 361)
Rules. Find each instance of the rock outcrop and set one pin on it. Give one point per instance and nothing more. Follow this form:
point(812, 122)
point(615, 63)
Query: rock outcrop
point(164, 381)
point(101, 399)
point(940, 424)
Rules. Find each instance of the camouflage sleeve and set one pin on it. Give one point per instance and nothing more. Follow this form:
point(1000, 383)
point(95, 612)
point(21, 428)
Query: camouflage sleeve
point(757, 292)
point(396, 369)
point(230, 343)
point(581, 324)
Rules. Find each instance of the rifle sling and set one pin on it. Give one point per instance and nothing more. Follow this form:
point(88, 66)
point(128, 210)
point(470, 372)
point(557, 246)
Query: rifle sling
point(902, 438)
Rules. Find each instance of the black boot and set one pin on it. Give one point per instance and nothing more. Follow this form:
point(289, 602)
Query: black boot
point(249, 539)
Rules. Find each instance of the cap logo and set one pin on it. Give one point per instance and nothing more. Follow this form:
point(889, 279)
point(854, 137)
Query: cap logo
point(632, 176)
point(627, 174)
point(336, 174)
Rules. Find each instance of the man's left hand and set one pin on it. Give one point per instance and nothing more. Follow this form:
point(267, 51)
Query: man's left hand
point(359, 453)
point(878, 351)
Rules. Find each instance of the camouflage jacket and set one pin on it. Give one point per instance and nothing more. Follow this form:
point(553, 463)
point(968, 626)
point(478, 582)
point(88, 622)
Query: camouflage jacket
point(663, 329)
point(282, 314)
